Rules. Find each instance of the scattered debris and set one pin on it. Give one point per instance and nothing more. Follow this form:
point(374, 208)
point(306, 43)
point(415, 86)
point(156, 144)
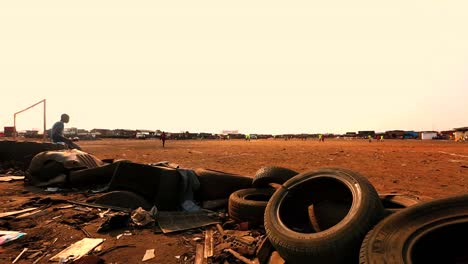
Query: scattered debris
point(83, 209)
point(275, 258)
point(5, 214)
point(87, 234)
point(38, 259)
point(115, 208)
point(78, 249)
point(149, 254)
point(102, 214)
point(178, 221)
point(35, 213)
point(208, 243)
point(199, 254)
point(7, 236)
point(220, 230)
point(34, 255)
point(126, 233)
point(79, 219)
point(10, 178)
point(20, 254)
point(241, 258)
point(115, 221)
point(141, 217)
point(64, 207)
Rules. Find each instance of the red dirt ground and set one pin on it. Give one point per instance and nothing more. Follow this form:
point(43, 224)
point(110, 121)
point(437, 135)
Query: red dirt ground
point(424, 168)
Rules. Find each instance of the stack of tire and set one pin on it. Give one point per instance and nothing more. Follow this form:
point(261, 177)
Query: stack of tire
point(335, 215)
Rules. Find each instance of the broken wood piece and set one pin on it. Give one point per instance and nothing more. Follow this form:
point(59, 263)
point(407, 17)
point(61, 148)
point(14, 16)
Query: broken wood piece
point(64, 207)
point(87, 234)
point(220, 230)
point(11, 178)
point(20, 254)
point(5, 214)
point(38, 259)
point(199, 254)
point(313, 218)
point(34, 255)
point(28, 214)
point(149, 254)
point(275, 258)
point(208, 252)
point(78, 249)
point(83, 209)
point(241, 258)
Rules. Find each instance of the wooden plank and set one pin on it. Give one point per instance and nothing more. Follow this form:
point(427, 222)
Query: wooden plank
point(149, 254)
point(276, 258)
point(199, 254)
point(28, 214)
point(208, 252)
point(11, 178)
point(5, 214)
point(78, 249)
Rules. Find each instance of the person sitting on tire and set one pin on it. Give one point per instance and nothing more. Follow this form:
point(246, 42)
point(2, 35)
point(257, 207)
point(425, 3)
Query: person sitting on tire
point(56, 133)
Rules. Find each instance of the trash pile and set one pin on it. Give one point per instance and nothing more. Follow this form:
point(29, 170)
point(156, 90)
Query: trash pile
point(331, 215)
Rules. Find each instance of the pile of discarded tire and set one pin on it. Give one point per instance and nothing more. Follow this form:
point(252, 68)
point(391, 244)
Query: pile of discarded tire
point(335, 215)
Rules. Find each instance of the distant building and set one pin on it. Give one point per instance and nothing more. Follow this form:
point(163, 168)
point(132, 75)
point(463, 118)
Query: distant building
point(426, 135)
point(461, 134)
point(124, 133)
point(32, 134)
point(394, 134)
point(9, 131)
point(366, 134)
point(350, 134)
point(411, 135)
point(105, 133)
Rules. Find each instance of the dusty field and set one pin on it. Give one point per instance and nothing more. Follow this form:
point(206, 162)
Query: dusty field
point(428, 169)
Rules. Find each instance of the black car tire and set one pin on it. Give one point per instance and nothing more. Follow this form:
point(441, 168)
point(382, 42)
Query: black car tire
point(272, 174)
point(346, 206)
point(429, 232)
point(248, 205)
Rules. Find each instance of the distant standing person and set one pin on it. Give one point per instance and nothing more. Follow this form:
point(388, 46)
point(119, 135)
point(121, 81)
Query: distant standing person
point(321, 138)
point(56, 133)
point(163, 138)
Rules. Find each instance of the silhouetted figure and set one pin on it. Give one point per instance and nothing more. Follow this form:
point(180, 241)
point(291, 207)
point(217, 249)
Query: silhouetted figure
point(56, 133)
point(163, 138)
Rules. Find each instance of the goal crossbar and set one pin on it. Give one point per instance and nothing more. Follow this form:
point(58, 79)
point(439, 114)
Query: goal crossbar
point(19, 112)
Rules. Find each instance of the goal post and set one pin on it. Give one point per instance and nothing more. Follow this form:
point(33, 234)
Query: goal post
point(14, 118)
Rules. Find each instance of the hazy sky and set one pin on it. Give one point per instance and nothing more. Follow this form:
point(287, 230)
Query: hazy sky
point(253, 66)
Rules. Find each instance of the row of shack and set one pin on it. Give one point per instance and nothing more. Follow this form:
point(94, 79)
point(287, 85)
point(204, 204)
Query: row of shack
point(457, 134)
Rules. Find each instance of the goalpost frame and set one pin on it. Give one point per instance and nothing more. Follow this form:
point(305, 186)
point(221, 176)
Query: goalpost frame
point(14, 118)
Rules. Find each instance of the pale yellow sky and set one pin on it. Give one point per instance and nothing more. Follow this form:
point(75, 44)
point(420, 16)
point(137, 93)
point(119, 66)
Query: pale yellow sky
point(253, 66)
